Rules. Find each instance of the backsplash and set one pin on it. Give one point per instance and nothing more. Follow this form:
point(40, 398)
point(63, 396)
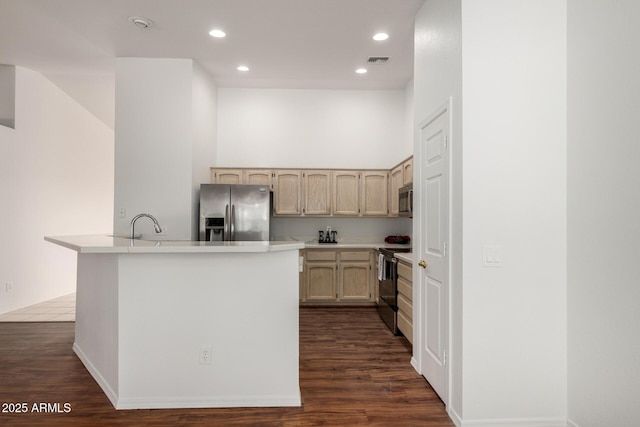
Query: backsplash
point(365, 230)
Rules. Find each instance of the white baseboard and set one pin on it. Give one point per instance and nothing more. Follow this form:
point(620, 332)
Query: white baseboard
point(102, 382)
point(414, 363)
point(455, 417)
point(515, 422)
point(209, 402)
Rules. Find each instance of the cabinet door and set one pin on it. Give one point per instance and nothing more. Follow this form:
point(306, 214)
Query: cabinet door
point(373, 196)
point(407, 173)
point(395, 182)
point(258, 177)
point(320, 281)
point(287, 187)
point(226, 176)
point(354, 281)
point(405, 300)
point(317, 192)
point(346, 197)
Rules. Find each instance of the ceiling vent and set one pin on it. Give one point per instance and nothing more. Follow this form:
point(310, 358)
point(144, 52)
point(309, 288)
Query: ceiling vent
point(377, 59)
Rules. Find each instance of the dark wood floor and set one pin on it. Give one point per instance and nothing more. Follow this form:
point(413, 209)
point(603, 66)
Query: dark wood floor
point(353, 372)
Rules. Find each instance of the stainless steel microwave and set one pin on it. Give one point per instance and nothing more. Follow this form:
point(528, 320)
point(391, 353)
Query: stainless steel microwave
point(405, 201)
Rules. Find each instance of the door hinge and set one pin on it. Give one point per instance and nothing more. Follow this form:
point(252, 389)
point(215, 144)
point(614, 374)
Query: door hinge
point(444, 249)
point(444, 358)
point(446, 142)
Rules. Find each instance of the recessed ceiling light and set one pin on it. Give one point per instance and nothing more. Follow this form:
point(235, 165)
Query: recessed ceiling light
point(141, 22)
point(217, 34)
point(361, 70)
point(381, 36)
point(242, 68)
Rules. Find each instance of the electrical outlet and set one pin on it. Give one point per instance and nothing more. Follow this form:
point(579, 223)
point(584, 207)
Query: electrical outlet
point(205, 355)
point(8, 287)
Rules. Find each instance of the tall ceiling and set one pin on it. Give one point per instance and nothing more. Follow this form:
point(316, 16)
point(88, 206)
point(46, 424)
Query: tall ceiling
point(286, 43)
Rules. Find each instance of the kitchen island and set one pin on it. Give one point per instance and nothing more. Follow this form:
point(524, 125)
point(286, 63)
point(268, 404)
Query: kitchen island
point(166, 324)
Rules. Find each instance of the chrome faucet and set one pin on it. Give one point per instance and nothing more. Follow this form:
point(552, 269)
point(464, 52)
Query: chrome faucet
point(156, 225)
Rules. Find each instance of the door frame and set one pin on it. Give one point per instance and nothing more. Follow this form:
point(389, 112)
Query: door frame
point(418, 224)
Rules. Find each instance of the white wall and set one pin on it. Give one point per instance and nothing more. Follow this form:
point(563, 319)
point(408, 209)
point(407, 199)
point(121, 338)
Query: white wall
point(514, 195)
point(603, 213)
point(204, 116)
point(438, 76)
point(503, 64)
point(164, 143)
point(311, 128)
point(295, 128)
point(56, 178)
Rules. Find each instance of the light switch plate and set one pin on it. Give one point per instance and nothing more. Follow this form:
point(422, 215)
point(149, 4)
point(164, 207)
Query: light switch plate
point(492, 256)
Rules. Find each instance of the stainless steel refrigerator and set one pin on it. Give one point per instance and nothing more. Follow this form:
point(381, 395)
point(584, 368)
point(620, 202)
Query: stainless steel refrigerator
point(234, 212)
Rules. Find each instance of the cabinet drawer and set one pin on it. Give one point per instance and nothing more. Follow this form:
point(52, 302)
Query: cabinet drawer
point(321, 255)
point(405, 270)
point(354, 256)
point(405, 289)
point(404, 305)
point(406, 326)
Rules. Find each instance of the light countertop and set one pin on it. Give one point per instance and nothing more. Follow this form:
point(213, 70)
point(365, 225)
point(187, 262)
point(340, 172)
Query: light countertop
point(101, 243)
point(406, 257)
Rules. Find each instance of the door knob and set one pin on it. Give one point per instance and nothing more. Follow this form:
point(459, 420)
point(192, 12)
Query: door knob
point(423, 263)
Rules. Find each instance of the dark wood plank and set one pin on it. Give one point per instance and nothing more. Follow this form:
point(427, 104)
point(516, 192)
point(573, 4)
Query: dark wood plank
point(353, 372)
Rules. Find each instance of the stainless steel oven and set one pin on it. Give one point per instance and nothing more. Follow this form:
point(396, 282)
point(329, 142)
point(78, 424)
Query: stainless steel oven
point(405, 201)
point(388, 287)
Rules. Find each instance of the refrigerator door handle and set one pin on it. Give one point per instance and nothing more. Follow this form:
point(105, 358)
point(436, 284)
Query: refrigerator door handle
point(225, 232)
point(233, 222)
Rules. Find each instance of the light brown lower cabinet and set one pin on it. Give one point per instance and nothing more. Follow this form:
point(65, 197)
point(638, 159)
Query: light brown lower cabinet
point(405, 300)
point(337, 277)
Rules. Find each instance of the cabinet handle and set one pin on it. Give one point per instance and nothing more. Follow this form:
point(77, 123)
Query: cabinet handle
point(423, 263)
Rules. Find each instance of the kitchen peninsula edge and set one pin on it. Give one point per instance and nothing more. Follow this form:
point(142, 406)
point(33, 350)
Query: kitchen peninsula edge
point(147, 311)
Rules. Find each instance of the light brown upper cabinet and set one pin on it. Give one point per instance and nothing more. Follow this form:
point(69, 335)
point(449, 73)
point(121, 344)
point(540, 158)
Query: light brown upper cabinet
point(258, 177)
point(241, 176)
point(346, 193)
point(373, 193)
point(396, 180)
point(287, 192)
point(360, 193)
point(407, 171)
point(226, 176)
point(317, 192)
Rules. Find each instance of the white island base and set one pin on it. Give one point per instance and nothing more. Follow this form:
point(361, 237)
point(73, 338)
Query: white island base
point(148, 316)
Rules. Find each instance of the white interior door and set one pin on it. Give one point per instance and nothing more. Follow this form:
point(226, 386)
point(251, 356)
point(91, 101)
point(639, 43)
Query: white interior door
point(434, 274)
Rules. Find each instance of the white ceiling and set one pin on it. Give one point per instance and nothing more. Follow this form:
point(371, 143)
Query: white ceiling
point(286, 43)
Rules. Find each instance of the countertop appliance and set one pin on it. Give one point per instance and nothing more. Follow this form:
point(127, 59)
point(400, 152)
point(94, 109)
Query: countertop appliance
point(388, 287)
point(234, 212)
point(405, 201)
